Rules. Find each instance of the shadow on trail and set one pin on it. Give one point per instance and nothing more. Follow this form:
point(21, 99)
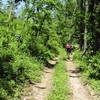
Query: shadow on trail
point(74, 76)
point(75, 71)
point(49, 65)
point(52, 63)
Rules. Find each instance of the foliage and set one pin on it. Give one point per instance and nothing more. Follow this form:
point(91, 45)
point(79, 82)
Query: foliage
point(89, 64)
point(87, 25)
point(94, 68)
point(27, 42)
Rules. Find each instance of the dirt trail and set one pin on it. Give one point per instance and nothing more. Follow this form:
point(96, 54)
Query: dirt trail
point(40, 91)
point(79, 90)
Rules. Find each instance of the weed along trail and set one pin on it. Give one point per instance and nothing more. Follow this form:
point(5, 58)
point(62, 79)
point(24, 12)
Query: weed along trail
point(79, 91)
point(40, 91)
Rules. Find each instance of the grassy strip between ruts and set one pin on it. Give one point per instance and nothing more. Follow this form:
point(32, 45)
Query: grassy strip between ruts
point(60, 87)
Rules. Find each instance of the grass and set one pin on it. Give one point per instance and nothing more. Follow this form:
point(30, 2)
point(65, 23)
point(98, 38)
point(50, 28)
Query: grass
point(95, 84)
point(60, 88)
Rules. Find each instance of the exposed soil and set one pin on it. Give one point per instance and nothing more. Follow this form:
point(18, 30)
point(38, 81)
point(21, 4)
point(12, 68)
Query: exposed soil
point(40, 91)
point(79, 90)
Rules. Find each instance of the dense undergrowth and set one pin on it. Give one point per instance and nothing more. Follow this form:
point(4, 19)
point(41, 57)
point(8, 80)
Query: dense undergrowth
point(23, 54)
point(90, 69)
point(60, 90)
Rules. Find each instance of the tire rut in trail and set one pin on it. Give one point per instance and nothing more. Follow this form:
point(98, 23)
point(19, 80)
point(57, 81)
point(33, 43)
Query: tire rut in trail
point(79, 91)
point(40, 91)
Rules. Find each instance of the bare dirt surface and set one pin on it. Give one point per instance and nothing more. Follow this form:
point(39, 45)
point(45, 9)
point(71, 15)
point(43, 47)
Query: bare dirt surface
point(40, 91)
point(79, 90)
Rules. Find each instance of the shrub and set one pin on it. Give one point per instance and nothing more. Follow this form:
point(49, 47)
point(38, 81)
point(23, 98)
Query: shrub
point(94, 66)
point(91, 65)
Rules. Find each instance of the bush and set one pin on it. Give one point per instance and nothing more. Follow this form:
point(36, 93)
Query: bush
point(94, 66)
point(26, 67)
point(23, 51)
point(91, 65)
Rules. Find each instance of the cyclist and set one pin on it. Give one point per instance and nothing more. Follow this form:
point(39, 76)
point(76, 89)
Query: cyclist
point(69, 50)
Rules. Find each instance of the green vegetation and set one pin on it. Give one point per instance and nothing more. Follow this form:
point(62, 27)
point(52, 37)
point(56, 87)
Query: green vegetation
point(90, 69)
point(38, 31)
point(60, 87)
point(27, 43)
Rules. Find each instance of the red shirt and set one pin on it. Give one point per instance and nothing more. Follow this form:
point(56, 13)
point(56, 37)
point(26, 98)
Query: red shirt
point(68, 46)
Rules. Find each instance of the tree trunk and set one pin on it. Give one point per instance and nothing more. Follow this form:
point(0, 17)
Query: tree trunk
point(86, 31)
point(82, 24)
point(97, 34)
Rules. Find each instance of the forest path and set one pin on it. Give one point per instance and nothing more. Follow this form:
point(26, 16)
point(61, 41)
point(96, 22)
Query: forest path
point(40, 91)
point(79, 90)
